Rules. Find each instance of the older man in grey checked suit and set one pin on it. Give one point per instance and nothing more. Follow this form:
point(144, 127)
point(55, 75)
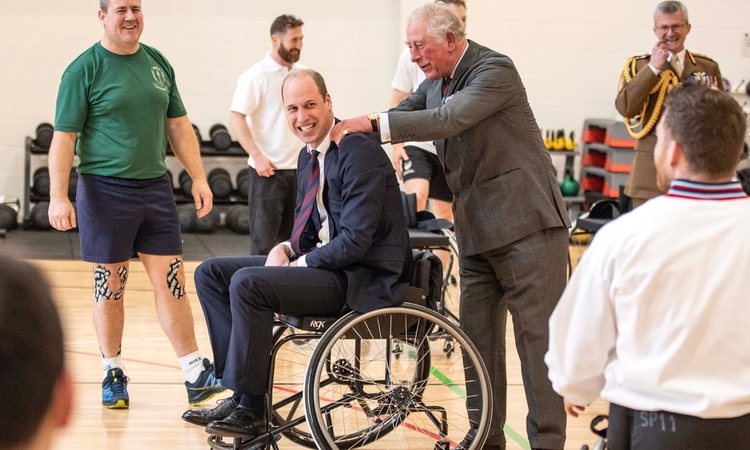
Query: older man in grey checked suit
point(511, 222)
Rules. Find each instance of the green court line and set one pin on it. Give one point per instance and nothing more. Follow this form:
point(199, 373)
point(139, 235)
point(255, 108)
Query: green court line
point(510, 432)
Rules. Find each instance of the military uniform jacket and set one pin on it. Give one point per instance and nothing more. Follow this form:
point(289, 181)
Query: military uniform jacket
point(637, 92)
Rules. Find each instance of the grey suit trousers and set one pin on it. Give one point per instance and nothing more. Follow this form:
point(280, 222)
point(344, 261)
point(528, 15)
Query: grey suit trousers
point(526, 278)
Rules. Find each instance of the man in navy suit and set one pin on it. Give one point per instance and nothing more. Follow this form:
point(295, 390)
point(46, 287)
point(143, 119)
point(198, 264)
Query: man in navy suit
point(349, 247)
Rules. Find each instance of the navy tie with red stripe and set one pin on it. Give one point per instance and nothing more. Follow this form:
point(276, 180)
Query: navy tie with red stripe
point(446, 83)
point(308, 203)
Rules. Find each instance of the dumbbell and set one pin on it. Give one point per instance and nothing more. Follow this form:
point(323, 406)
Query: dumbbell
point(220, 182)
point(198, 134)
point(40, 216)
point(243, 182)
point(186, 184)
point(40, 184)
point(238, 219)
point(44, 133)
point(220, 137)
point(207, 223)
point(186, 213)
point(8, 216)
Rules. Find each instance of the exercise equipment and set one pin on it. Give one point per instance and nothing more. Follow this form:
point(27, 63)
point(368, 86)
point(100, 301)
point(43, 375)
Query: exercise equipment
point(40, 184)
point(220, 182)
point(8, 214)
point(569, 186)
point(186, 184)
point(40, 217)
point(208, 223)
point(197, 134)
point(186, 213)
point(44, 132)
point(220, 137)
point(237, 219)
point(243, 182)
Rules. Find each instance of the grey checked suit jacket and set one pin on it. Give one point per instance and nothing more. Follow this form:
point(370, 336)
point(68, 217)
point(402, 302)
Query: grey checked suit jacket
point(491, 149)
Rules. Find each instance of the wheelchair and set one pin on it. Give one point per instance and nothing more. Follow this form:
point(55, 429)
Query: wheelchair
point(596, 428)
point(376, 379)
point(426, 233)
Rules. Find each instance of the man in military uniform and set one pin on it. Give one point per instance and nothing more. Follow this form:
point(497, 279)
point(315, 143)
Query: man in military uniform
point(644, 84)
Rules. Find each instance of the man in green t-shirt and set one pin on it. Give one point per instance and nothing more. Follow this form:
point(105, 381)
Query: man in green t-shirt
point(117, 106)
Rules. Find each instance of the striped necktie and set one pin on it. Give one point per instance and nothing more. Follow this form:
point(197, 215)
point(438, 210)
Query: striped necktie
point(308, 203)
point(446, 83)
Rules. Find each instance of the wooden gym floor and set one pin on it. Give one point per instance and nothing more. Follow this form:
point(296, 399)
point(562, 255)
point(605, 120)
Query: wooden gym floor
point(156, 386)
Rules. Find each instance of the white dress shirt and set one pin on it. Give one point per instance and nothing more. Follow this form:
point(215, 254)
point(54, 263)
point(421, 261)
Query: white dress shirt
point(657, 314)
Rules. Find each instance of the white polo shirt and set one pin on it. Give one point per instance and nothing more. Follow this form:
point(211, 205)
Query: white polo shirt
point(258, 96)
point(407, 78)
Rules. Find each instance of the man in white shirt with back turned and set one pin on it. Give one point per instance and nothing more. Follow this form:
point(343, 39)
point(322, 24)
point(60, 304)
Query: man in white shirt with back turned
point(656, 317)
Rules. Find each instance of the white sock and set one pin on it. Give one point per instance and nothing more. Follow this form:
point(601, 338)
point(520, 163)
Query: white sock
point(192, 366)
point(112, 363)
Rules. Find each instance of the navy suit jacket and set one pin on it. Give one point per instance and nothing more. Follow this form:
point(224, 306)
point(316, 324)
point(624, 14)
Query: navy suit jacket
point(369, 240)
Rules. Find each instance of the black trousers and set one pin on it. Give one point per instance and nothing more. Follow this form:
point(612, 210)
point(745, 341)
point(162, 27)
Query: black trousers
point(662, 430)
point(271, 201)
point(239, 297)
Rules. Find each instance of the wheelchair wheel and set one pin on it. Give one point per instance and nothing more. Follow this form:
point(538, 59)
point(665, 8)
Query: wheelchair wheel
point(292, 351)
point(358, 394)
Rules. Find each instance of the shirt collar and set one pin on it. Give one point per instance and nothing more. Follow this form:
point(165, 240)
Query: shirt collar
point(273, 66)
point(453, 73)
point(681, 55)
point(706, 191)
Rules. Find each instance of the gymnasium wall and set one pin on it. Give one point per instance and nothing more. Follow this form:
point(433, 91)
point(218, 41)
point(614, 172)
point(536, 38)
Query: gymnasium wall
point(569, 54)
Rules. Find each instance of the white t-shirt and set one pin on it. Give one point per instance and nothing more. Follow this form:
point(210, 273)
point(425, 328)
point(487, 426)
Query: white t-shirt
point(258, 96)
point(657, 314)
point(407, 78)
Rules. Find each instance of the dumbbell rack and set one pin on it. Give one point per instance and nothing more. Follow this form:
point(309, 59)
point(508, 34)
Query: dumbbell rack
point(31, 148)
point(207, 150)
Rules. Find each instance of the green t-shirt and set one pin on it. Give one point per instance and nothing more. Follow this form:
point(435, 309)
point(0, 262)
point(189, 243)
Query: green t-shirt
point(119, 105)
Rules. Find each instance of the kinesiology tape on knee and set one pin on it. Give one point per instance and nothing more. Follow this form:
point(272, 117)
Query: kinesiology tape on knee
point(173, 279)
point(102, 289)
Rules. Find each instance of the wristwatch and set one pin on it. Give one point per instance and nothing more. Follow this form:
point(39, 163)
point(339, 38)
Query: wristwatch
point(374, 121)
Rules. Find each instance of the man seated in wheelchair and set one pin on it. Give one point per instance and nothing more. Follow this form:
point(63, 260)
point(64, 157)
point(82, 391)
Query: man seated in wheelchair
point(348, 250)
point(655, 317)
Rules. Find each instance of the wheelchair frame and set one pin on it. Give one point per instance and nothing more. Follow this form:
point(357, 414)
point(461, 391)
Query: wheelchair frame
point(374, 370)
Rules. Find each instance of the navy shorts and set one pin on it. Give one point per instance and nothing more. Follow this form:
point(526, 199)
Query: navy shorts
point(425, 165)
point(118, 218)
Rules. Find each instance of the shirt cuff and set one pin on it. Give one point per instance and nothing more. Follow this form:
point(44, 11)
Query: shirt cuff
point(288, 245)
point(385, 128)
point(654, 69)
point(301, 261)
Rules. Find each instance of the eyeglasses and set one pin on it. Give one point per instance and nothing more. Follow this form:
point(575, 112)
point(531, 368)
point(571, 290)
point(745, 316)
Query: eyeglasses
point(674, 28)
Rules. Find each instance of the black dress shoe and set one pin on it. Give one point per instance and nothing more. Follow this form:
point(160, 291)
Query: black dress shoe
point(205, 416)
point(240, 423)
